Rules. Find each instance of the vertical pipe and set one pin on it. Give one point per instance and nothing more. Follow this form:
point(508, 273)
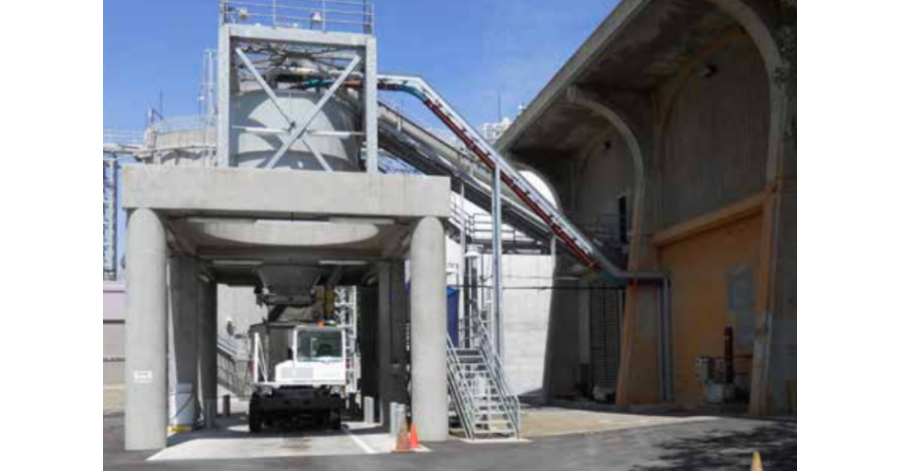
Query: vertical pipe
point(428, 299)
point(146, 410)
point(729, 355)
point(464, 289)
point(667, 340)
point(371, 105)
point(661, 344)
point(482, 282)
point(497, 214)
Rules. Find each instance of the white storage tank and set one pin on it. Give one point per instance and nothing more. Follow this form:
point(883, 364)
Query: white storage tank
point(253, 112)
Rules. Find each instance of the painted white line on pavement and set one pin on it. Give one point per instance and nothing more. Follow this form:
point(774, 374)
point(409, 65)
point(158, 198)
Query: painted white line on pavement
point(366, 448)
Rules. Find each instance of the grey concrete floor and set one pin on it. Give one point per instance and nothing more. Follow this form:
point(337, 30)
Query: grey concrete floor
point(720, 444)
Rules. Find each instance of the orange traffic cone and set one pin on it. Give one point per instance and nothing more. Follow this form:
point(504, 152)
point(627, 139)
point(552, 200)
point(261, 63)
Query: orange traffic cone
point(402, 439)
point(413, 438)
point(757, 463)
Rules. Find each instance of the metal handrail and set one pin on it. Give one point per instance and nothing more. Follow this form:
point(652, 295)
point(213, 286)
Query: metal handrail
point(479, 227)
point(465, 404)
point(183, 123)
point(495, 368)
point(349, 16)
point(113, 136)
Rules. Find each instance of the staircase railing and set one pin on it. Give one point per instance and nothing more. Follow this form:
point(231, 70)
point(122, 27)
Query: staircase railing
point(461, 392)
point(509, 401)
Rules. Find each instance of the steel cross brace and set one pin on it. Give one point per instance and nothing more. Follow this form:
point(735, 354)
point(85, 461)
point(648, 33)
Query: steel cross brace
point(274, 99)
point(299, 130)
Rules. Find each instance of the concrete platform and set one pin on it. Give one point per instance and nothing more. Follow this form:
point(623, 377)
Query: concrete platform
point(233, 441)
point(550, 421)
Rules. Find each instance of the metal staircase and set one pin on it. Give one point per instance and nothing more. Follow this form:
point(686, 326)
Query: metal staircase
point(481, 399)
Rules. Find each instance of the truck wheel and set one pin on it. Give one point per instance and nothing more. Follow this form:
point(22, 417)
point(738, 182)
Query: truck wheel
point(336, 420)
point(255, 422)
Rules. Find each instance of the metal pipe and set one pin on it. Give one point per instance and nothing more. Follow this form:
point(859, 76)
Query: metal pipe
point(729, 355)
point(462, 256)
point(660, 345)
point(497, 214)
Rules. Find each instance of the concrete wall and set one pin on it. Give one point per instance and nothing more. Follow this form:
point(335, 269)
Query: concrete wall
point(236, 305)
point(705, 135)
point(715, 278)
point(526, 301)
point(113, 353)
point(527, 280)
point(714, 139)
point(565, 372)
point(113, 333)
point(605, 172)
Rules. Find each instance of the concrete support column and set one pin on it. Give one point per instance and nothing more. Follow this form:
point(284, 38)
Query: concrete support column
point(146, 411)
point(369, 341)
point(428, 306)
point(399, 321)
point(184, 325)
point(385, 385)
point(209, 368)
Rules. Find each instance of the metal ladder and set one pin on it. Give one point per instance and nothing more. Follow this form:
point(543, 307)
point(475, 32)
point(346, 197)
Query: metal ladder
point(480, 395)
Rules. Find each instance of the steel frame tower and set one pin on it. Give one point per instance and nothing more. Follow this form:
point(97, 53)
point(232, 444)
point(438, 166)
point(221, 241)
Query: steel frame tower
point(110, 207)
point(336, 36)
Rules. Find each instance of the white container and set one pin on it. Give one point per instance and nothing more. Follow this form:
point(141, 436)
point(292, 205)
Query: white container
point(183, 408)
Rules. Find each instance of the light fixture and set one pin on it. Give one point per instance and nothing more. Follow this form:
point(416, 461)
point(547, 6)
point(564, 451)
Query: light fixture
point(317, 18)
point(708, 71)
point(472, 253)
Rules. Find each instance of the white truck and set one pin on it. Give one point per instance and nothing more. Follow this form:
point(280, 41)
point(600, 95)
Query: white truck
point(299, 375)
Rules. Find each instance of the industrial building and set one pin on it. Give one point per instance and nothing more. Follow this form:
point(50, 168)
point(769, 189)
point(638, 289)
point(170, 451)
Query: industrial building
point(660, 268)
point(668, 136)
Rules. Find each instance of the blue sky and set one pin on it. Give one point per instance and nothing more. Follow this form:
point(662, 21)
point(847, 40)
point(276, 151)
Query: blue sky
point(469, 49)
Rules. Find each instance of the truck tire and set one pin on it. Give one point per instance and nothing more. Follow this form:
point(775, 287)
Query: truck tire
point(335, 420)
point(256, 422)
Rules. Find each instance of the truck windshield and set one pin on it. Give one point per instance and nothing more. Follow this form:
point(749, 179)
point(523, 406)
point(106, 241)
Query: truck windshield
point(319, 346)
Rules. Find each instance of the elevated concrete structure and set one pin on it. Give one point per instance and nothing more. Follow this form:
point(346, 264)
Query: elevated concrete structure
point(670, 131)
point(210, 191)
point(220, 225)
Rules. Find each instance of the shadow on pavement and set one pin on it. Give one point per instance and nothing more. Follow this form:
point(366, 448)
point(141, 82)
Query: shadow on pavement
point(723, 450)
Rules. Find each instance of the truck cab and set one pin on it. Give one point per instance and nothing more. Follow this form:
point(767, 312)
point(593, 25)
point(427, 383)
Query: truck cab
point(308, 381)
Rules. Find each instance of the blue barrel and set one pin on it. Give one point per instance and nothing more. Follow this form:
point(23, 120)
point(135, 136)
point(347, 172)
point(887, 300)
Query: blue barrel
point(453, 315)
